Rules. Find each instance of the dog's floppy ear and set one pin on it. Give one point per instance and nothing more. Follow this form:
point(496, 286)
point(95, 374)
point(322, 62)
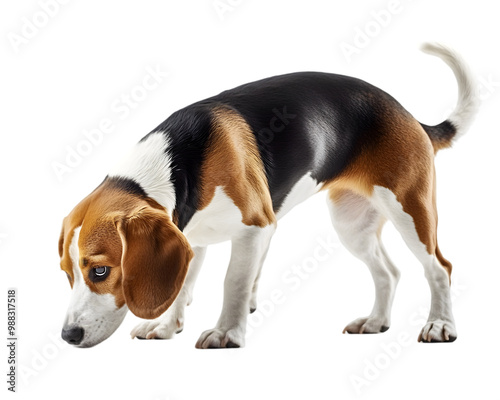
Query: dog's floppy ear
point(61, 242)
point(155, 261)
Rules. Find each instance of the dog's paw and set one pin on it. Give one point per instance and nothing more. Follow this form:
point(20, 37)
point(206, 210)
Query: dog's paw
point(366, 325)
point(438, 331)
point(158, 329)
point(219, 338)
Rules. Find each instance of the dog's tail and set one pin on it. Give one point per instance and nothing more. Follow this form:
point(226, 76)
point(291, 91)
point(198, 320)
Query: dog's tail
point(444, 134)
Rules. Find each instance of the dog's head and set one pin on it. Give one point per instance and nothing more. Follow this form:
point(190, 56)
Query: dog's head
point(120, 251)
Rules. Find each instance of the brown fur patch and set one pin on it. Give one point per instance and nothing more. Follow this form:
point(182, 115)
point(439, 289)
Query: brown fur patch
point(100, 246)
point(99, 242)
point(444, 262)
point(233, 161)
point(401, 159)
point(155, 261)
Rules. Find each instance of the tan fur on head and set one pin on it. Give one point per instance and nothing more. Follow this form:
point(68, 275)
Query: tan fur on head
point(147, 255)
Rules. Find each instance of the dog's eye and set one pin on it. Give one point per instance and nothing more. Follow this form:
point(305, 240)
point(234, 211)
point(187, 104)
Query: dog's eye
point(98, 274)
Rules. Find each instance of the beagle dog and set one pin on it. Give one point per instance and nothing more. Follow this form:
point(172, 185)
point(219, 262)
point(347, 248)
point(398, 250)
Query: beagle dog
point(228, 168)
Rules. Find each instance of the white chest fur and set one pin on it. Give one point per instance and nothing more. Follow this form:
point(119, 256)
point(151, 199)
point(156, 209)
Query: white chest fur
point(219, 221)
point(222, 220)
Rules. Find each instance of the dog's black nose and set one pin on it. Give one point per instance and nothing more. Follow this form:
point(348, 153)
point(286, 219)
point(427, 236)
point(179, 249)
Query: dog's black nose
point(73, 334)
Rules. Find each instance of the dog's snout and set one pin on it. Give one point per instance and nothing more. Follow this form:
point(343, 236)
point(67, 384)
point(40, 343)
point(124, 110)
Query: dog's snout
point(72, 334)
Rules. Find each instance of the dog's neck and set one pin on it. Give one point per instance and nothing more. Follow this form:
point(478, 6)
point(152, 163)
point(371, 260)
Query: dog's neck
point(148, 165)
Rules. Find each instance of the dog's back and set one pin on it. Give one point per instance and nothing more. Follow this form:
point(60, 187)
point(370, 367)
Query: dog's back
point(304, 123)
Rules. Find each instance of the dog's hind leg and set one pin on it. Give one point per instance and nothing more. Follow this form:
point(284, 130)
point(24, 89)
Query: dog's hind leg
point(414, 215)
point(358, 225)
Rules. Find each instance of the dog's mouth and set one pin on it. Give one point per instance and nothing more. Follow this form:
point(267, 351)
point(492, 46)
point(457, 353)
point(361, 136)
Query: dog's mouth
point(87, 330)
point(86, 345)
point(83, 336)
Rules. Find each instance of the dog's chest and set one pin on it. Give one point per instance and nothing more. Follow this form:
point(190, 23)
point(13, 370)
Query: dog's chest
point(218, 222)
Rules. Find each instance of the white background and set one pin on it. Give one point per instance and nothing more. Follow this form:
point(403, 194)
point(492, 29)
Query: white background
point(87, 55)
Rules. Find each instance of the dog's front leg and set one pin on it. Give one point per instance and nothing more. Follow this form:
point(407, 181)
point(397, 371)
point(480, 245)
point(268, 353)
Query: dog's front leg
point(247, 252)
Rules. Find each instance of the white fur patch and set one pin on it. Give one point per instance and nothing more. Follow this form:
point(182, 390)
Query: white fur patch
point(96, 313)
point(221, 220)
point(148, 164)
point(386, 201)
point(302, 190)
point(468, 89)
